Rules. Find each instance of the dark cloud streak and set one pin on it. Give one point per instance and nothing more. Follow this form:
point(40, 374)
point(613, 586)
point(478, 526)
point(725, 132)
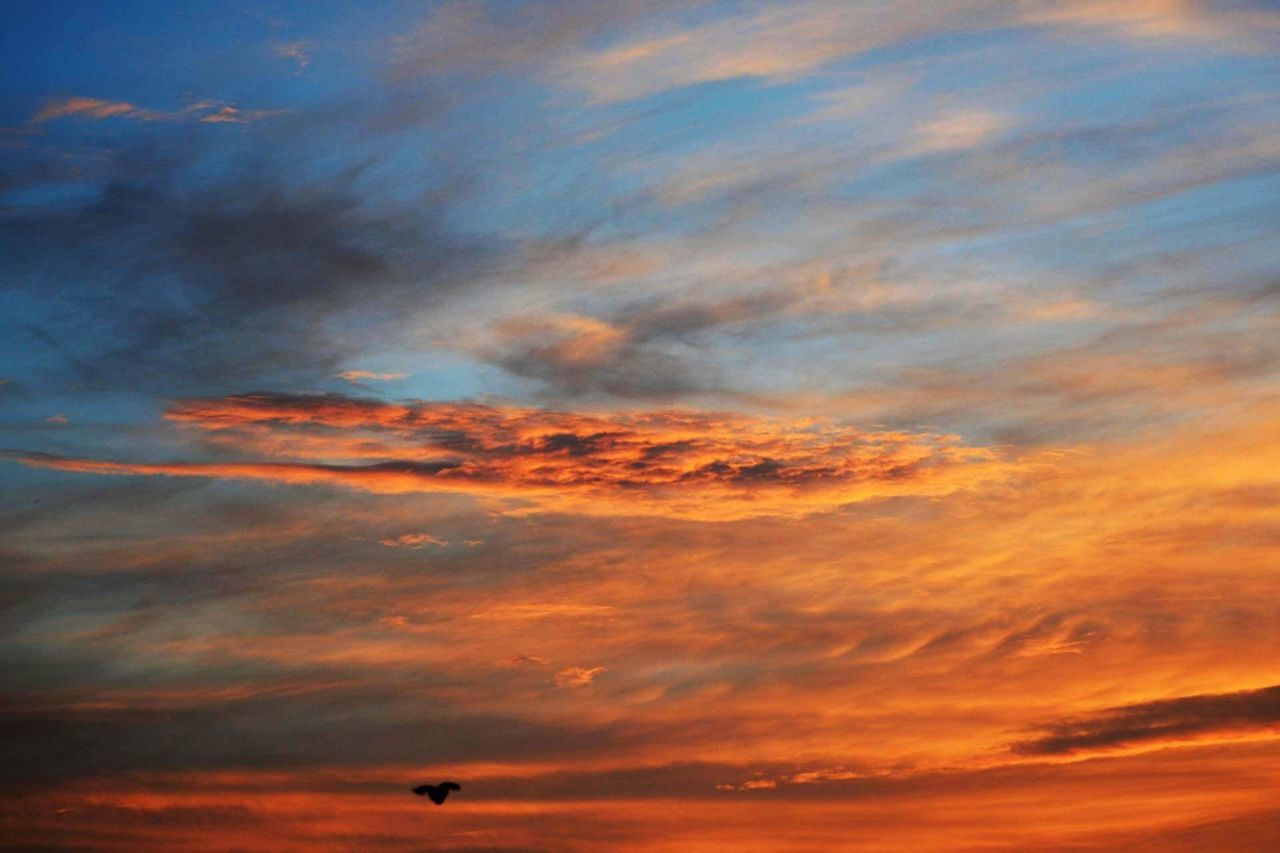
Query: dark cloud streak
point(189, 258)
point(1153, 722)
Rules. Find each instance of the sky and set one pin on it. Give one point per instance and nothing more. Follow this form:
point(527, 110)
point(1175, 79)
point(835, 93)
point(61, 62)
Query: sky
point(759, 426)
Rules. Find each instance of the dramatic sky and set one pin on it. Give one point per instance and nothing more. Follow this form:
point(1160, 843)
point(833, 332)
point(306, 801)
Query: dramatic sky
point(798, 425)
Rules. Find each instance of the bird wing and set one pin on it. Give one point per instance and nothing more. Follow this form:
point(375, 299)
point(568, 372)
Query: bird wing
point(437, 793)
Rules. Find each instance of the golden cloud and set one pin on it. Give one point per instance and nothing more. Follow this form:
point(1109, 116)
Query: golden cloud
point(698, 464)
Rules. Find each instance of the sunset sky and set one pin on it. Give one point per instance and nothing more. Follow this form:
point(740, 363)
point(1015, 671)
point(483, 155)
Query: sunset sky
point(798, 425)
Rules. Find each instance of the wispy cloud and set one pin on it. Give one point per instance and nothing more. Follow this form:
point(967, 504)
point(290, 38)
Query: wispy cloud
point(96, 109)
point(1161, 722)
point(960, 130)
point(780, 42)
point(370, 376)
point(299, 51)
point(776, 43)
point(413, 540)
point(215, 112)
point(92, 108)
point(248, 253)
point(1245, 25)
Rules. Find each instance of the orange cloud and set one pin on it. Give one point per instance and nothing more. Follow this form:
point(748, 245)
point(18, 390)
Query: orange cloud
point(897, 647)
point(703, 464)
point(577, 676)
point(524, 660)
point(1154, 19)
point(90, 108)
point(208, 112)
point(565, 339)
point(412, 540)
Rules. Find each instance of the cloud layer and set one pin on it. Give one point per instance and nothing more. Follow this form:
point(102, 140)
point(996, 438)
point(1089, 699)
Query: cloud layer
point(706, 465)
point(1168, 720)
point(688, 425)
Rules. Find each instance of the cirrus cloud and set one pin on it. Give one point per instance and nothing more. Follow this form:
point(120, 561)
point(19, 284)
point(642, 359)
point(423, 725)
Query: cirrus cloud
point(99, 109)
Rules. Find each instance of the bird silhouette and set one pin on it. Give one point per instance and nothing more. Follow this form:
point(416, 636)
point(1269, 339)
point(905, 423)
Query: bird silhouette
point(437, 793)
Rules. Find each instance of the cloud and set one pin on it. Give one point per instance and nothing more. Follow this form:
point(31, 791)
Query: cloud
point(61, 740)
point(523, 808)
point(482, 38)
point(959, 130)
point(667, 45)
point(545, 610)
point(833, 774)
point(579, 355)
point(1246, 24)
point(91, 108)
point(209, 112)
point(525, 660)
point(775, 42)
point(412, 540)
point(369, 375)
point(299, 51)
point(576, 676)
point(261, 276)
point(658, 347)
point(774, 644)
point(821, 611)
point(779, 42)
point(750, 785)
point(859, 100)
point(214, 112)
point(666, 461)
point(1161, 722)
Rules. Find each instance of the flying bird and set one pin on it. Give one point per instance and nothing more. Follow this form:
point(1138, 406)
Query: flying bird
point(437, 793)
